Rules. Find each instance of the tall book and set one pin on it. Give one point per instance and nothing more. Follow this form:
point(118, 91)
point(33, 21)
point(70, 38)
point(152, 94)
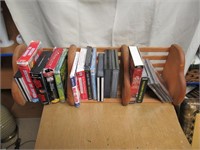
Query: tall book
point(80, 73)
point(37, 77)
point(22, 86)
point(48, 73)
point(143, 86)
point(87, 71)
point(115, 74)
point(107, 73)
point(100, 77)
point(26, 62)
point(73, 80)
point(60, 75)
point(93, 73)
point(136, 68)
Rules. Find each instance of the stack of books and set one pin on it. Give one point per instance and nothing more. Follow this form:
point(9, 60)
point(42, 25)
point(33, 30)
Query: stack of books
point(156, 83)
point(42, 74)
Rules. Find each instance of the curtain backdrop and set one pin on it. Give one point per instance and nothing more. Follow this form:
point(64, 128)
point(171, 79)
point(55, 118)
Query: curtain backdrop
point(109, 22)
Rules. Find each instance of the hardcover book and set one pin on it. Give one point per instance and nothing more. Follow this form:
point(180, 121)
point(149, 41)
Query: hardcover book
point(80, 73)
point(107, 72)
point(115, 74)
point(73, 79)
point(100, 77)
point(48, 73)
point(93, 73)
point(60, 75)
point(87, 71)
point(136, 68)
point(22, 86)
point(26, 62)
point(37, 77)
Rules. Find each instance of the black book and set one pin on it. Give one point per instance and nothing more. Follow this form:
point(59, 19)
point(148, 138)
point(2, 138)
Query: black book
point(108, 72)
point(115, 74)
point(100, 77)
point(87, 71)
point(143, 86)
point(22, 86)
point(37, 77)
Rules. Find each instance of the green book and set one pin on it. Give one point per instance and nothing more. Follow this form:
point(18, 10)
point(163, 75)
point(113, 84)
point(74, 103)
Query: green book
point(60, 75)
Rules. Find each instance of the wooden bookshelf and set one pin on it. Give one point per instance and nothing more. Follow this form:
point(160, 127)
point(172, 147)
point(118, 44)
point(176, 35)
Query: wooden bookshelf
point(172, 60)
point(149, 125)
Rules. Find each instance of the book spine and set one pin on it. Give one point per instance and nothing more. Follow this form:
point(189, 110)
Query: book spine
point(82, 84)
point(75, 91)
point(135, 83)
point(59, 86)
point(102, 88)
point(98, 89)
point(40, 88)
point(114, 84)
point(89, 86)
point(21, 88)
point(107, 85)
point(25, 71)
point(93, 84)
point(142, 89)
point(52, 86)
point(26, 89)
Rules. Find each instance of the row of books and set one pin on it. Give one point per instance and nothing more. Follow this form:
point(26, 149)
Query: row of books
point(42, 74)
point(94, 76)
point(143, 75)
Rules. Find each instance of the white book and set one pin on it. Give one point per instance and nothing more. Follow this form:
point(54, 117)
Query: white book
point(26, 89)
point(81, 60)
point(135, 54)
point(73, 79)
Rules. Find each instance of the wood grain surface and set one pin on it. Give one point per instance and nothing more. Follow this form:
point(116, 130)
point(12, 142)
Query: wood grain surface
point(110, 126)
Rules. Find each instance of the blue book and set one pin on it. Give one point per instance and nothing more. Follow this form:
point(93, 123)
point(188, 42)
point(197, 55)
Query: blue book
point(93, 73)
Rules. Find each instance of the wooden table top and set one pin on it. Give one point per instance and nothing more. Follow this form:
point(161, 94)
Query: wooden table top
point(110, 125)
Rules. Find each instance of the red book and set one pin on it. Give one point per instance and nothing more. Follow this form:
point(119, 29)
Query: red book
point(26, 62)
point(80, 74)
point(136, 68)
point(48, 73)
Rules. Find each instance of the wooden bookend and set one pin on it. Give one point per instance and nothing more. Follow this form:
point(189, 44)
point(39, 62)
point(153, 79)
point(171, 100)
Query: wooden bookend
point(126, 94)
point(173, 74)
point(16, 93)
point(70, 60)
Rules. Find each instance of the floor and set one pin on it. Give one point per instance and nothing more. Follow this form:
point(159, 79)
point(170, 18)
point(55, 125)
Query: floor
point(28, 128)
point(27, 119)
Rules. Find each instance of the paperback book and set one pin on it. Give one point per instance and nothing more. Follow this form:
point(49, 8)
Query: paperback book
point(48, 73)
point(60, 75)
point(26, 62)
point(87, 71)
point(136, 68)
point(107, 73)
point(100, 77)
point(73, 79)
point(80, 73)
point(22, 86)
point(37, 77)
point(93, 73)
point(115, 74)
